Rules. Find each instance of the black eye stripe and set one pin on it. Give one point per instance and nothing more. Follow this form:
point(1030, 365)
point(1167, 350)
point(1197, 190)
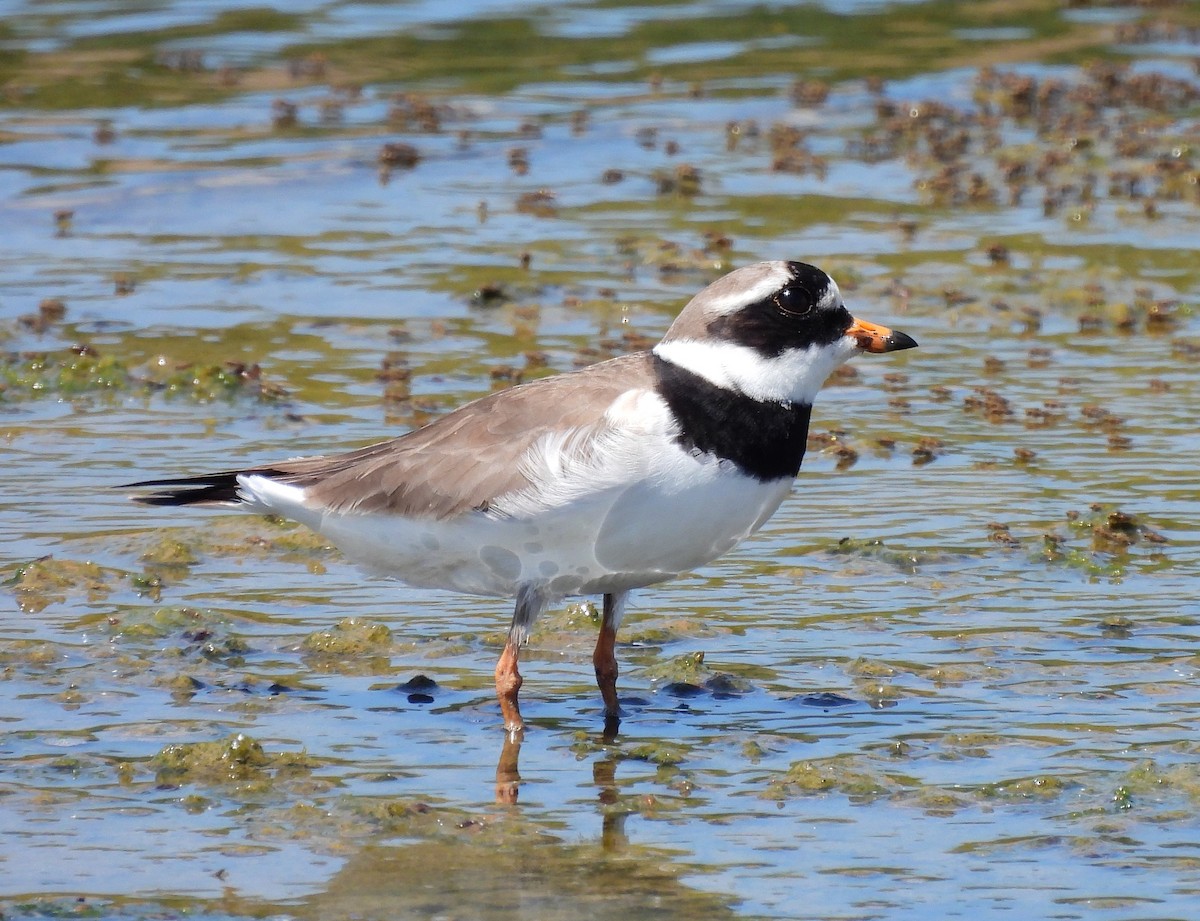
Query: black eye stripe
point(801, 313)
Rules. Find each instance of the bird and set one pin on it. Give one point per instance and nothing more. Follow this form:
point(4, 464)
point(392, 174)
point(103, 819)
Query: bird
point(597, 481)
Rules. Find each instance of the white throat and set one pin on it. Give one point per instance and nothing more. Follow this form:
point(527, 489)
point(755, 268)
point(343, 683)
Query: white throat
point(793, 376)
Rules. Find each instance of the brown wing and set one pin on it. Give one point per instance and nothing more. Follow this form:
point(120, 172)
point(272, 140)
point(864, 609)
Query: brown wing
point(469, 457)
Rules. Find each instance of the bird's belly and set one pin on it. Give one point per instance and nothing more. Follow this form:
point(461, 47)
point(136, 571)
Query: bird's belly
point(675, 531)
point(609, 541)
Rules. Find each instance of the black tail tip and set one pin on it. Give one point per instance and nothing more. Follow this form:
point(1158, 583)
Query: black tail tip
point(199, 490)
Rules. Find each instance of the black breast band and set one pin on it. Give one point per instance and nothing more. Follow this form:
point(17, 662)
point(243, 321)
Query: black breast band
point(765, 439)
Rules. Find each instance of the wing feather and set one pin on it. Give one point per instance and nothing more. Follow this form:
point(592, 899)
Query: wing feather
point(472, 456)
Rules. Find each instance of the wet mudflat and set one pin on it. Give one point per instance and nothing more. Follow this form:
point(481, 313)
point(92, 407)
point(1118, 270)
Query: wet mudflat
point(956, 675)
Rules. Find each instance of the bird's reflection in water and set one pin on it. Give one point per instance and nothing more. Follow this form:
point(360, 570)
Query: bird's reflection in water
point(612, 821)
point(508, 770)
point(520, 870)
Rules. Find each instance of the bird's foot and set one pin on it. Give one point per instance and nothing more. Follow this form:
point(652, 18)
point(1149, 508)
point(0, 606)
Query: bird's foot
point(612, 724)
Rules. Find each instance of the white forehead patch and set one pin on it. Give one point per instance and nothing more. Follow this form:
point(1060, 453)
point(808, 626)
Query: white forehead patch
point(831, 298)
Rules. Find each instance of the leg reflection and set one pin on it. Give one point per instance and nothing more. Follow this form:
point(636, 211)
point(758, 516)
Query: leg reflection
point(508, 774)
point(612, 816)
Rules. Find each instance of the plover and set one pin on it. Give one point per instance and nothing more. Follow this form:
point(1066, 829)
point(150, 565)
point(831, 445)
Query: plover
point(598, 481)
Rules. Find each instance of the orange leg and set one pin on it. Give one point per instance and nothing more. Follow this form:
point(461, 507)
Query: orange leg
point(508, 683)
point(530, 602)
point(604, 659)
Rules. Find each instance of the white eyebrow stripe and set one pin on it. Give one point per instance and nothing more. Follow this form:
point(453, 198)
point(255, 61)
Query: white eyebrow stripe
point(733, 301)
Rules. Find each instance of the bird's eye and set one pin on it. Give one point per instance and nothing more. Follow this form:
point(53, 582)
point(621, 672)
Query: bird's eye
point(794, 301)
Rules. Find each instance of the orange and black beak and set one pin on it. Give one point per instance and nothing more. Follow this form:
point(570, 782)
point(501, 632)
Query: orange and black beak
point(873, 338)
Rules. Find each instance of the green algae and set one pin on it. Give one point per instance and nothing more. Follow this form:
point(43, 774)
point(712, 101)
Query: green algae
point(52, 908)
point(688, 668)
point(847, 776)
point(81, 371)
point(661, 631)
point(237, 760)
point(350, 636)
point(181, 686)
point(107, 70)
point(1104, 541)
point(169, 552)
point(876, 550)
point(47, 581)
point(1040, 787)
point(661, 753)
point(1147, 780)
point(32, 656)
point(504, 54)
point(565, 626)
point(134, 623)
point(836, 775)
point(290, 538)
point(971, 744)
point(351, 646)
point(172, 551)
point(867, 668)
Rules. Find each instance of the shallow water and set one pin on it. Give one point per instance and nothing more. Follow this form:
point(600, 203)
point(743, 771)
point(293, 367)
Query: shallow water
point(954, 676)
